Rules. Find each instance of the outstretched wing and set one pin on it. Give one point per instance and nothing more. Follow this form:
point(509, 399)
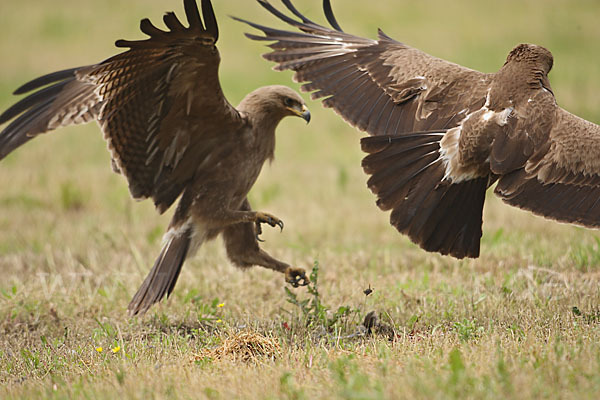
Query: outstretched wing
point(159, 104)
point(380, 86)
point(561, 180)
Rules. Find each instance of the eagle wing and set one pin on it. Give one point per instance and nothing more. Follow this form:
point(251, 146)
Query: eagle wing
point(382, 86)
point(159, 104)
point(561, 179)
point(437, 142)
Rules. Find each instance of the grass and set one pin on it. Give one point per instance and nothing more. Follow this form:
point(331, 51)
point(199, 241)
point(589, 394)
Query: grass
point(519, 322)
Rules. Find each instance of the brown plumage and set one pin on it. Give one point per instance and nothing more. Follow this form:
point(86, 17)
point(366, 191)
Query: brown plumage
point(172, 134)
point(441, 134)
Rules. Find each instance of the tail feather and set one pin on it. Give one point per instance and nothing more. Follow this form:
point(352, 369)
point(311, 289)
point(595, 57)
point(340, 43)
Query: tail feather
point(392, 167)
point(408, 176)
point(416, 214)
point(162, 277)
point(375, 161)
point(402, 181)
point(458, 232)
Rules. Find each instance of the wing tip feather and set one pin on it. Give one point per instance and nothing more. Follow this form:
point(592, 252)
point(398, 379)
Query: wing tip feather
point(330, 16)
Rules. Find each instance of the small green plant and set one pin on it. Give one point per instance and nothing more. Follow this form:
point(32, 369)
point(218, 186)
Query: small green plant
point(9, 295)
point(314, 312)
point(31, 358)
point(467, 329)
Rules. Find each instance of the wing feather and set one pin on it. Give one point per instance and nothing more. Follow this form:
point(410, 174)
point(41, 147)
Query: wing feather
point(159, 104)
point(562, 180)
point(336, 65)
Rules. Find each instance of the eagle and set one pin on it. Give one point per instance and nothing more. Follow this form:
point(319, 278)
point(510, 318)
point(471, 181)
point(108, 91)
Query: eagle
point(441, 134)
point(173, 135)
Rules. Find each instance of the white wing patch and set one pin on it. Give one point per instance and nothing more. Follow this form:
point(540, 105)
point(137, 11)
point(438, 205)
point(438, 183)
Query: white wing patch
point(449, 152)
point(450, 143)
point(488, 115)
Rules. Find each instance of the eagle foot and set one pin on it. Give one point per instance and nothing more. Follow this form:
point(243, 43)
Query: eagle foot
point(296, 277)
point(264, 218)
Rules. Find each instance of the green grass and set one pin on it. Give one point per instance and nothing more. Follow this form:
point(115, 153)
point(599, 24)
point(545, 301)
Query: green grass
point(522, 321)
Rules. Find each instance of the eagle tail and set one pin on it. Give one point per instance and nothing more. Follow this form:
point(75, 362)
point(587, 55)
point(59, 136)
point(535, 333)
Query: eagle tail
point(162, 277)
point(408, 176)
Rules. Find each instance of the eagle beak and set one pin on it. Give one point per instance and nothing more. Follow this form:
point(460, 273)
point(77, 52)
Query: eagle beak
point(302, 113)
point(305, 114)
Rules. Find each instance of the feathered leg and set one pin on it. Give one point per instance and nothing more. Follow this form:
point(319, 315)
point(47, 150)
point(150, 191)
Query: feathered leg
point(243, 251)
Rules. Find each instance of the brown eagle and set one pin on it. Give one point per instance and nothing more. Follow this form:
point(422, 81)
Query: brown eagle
point(442, 134)
point(172, 133)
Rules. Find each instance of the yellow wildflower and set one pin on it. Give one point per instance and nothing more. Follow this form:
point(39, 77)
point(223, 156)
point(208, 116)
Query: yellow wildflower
point(221, 305)
point(99, 349)
point(116, 349)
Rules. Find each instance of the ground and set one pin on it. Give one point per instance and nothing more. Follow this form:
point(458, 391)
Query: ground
point(522, 321)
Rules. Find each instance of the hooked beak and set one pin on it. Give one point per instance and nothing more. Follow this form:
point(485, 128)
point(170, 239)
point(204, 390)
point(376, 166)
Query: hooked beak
point(302, 113)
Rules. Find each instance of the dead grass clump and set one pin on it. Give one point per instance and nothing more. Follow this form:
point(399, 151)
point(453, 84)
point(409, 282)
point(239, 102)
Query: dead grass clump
point(245, 346)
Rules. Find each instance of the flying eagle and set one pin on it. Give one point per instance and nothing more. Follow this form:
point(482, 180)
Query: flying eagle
point(442, 134)
point(172, 133)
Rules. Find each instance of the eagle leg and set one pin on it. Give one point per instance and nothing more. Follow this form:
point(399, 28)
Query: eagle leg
point(243, 249)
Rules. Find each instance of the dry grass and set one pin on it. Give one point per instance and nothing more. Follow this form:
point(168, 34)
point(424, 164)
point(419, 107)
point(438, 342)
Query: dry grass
point(245, 347)
point(522, 321)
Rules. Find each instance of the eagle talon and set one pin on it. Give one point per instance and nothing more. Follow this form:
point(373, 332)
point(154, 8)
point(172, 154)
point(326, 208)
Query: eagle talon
point(264, 218)
point(258, 230)
point(296, 277)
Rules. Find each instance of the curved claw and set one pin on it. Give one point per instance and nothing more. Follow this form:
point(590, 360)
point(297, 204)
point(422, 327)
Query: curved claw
point(264, 218)
point(258, 232)
point(275, 222)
